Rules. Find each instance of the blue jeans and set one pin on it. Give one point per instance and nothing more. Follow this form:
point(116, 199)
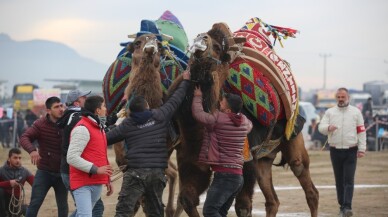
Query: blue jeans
point(221, 193)
point(86, 197)
point(98, 209)
point(43, 181)
point(147, 182)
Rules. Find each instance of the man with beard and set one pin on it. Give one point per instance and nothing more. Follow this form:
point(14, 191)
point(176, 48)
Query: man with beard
point(344, 125)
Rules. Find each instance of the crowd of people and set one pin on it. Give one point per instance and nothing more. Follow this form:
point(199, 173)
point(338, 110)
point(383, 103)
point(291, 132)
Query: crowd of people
point(71, 155)
point(7, 124)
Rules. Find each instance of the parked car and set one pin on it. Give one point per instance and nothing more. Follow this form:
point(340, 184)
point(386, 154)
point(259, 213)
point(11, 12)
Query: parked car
point(308, 111)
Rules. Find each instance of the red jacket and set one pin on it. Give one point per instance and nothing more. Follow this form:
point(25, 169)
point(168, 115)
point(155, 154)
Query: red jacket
point(224, 136)
point(95, 152)
point(49, 138)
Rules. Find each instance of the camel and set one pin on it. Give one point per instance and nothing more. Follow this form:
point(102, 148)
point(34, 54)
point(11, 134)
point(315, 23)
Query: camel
point(144, 76)
point(209, 70)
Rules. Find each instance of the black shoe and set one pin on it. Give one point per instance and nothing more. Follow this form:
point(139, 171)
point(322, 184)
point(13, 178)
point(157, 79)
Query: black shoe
point(348, 213)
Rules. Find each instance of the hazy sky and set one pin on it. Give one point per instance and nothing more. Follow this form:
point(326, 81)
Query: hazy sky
point(355, 32)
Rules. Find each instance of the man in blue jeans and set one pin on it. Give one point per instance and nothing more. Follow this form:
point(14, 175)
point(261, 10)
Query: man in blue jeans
point(75, 101)
point(222, 148)
point(47, 158)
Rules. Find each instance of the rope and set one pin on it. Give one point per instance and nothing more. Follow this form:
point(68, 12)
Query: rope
point(324, 145)
point(15, 204)
point(117, 173)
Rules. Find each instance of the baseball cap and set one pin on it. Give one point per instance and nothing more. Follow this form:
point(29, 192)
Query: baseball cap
point(73, 95)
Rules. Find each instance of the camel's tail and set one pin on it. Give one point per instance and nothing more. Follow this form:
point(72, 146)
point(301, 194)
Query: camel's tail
point(282, 162)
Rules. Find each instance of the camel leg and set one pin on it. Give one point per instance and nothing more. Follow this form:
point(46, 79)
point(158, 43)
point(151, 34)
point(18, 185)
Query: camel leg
point(179, 207)
point(243, 205)
point(119, 150)
point(172, 175)
point(194, 181)
point(299, 161)
point(264, 179)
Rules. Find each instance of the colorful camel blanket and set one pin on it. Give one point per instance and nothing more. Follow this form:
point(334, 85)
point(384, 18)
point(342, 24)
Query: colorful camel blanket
point(262, 78)
point(259, 96)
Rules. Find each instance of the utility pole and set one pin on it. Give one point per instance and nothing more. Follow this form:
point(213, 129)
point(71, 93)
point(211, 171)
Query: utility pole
point(325, 56)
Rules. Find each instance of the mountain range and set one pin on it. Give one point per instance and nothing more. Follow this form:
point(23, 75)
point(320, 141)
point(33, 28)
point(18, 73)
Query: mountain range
point(37, 60)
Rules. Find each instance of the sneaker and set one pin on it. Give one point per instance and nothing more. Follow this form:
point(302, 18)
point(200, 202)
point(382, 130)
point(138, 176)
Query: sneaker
point(348, 213)
point(341, 213)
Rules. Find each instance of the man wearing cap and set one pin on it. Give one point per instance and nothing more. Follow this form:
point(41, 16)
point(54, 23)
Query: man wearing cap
point(75, 101)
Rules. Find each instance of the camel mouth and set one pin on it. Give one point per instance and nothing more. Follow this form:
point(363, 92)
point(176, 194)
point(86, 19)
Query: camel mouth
point(151, 46)
point(199, 44)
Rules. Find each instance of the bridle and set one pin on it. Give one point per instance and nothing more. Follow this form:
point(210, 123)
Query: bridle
point(200, 44)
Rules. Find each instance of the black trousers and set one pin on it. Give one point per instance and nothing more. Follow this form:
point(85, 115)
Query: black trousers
point(344, 163)
point(4, 202)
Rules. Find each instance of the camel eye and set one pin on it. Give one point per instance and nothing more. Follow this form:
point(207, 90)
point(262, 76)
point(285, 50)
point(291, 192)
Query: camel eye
point(217, 48)
point(137, 44)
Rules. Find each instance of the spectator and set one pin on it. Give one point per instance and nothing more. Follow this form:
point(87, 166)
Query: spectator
point(30, 118)
point(368, 106)
point(13, 174)
point(19, 125)
point(225, 133)
point(87, 157)
point(47, 158)
point(347, 138)
point(5, 127)
point(317, 137)
point(145, 132)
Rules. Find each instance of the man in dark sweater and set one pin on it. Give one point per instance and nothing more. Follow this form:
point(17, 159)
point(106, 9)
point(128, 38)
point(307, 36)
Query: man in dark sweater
point(47, 158)
point(145, 133)
point(12, 176)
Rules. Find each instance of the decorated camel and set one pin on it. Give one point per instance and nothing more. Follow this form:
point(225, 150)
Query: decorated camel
point(223, 61)
point(146, 67)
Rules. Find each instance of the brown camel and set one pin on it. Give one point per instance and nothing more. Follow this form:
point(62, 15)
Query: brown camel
point(144, 80)
point(209, 69)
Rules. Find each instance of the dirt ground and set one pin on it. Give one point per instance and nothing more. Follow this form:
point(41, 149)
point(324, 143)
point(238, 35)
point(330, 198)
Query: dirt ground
point(370, 195)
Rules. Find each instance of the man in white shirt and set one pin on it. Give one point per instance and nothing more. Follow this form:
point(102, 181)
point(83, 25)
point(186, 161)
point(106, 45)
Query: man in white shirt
point(345, 128)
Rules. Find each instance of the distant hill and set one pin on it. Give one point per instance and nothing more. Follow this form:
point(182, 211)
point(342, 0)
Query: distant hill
point(36, 60)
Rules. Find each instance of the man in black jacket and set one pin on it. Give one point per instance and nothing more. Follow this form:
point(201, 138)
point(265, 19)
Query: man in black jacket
point(145, 133)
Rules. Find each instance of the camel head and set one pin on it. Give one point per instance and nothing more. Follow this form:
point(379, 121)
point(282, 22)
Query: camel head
point(144, 78)
point(146, 49)
point(209, 64)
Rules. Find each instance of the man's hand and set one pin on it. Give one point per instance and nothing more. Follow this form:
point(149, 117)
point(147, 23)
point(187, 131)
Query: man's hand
point(186, 74)
point(197, 91)
point(332, 128)
point(13, 182)
point(107, 170)
point(35, 157)
point(109, 188)
point(360, 154)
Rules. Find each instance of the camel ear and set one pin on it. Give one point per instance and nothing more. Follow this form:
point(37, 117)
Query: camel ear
point(131, 47)
point(225, 58)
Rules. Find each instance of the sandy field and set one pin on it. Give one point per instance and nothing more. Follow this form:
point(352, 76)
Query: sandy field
point(370, 196)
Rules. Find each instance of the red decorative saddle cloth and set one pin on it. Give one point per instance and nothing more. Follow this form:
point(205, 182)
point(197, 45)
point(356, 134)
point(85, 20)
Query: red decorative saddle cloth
point(263, 80)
